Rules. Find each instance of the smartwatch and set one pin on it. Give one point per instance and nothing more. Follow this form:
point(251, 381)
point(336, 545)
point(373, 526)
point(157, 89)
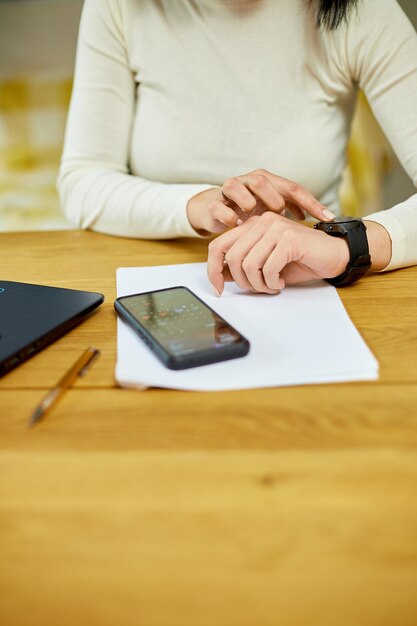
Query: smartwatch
point(353, 230)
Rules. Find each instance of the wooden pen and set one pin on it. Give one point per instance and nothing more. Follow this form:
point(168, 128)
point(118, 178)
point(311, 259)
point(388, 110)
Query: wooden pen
point(80, 367)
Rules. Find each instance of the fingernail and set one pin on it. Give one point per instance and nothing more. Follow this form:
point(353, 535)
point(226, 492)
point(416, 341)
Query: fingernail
point(328, 214)
point(239, 222)
point(216, 292)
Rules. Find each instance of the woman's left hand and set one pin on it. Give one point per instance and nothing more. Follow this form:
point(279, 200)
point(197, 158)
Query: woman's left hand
point(270, 251)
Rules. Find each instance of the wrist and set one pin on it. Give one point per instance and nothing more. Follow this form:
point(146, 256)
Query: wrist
point(380, 245)
point(197, 207)
point(341, 256)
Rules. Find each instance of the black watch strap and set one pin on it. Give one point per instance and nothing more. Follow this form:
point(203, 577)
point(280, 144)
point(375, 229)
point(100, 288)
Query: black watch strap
point(359, 260)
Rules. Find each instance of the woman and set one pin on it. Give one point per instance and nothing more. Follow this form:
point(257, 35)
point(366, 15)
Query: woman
point(192, 117)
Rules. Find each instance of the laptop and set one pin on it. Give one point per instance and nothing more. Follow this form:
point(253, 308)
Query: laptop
point(33, 316)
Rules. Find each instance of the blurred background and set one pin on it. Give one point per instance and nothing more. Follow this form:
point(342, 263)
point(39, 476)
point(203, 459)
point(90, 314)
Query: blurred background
point(37, 51)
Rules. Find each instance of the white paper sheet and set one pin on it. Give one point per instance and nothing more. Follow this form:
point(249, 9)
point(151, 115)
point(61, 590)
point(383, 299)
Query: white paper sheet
point(301, 336)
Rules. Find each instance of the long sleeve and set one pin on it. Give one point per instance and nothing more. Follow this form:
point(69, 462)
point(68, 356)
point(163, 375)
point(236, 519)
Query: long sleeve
point(96, 189)
point(167, 103)
point(381, 50)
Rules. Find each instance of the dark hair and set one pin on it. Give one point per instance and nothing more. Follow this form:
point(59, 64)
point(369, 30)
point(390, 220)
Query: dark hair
point(331, 13)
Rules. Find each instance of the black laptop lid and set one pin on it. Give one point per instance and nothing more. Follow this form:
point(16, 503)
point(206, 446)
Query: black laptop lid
point(32, 316)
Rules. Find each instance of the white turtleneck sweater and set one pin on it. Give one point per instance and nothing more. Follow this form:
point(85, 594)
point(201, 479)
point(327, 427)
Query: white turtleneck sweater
point(172, 97)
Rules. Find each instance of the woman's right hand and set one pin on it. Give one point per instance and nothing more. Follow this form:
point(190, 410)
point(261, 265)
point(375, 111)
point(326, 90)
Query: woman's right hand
point(217, 209)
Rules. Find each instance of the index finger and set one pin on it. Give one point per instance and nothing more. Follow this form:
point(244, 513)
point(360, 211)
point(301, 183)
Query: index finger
point(216, 254)
point(301, 197)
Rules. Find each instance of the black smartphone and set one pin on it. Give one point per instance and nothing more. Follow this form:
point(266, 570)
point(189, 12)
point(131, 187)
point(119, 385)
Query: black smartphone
point(181, 329)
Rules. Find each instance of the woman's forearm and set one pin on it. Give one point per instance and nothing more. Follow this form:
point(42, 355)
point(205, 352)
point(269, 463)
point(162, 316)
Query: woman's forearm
point(118, 203)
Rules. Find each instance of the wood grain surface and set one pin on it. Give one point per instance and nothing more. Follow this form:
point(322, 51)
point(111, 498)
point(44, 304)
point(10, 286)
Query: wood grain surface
point(272, 507)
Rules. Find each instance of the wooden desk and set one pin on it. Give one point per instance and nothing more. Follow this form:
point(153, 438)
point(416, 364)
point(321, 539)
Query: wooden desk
point(289, 507)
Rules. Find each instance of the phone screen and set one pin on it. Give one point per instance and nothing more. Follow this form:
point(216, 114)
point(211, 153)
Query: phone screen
point(180, 322)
